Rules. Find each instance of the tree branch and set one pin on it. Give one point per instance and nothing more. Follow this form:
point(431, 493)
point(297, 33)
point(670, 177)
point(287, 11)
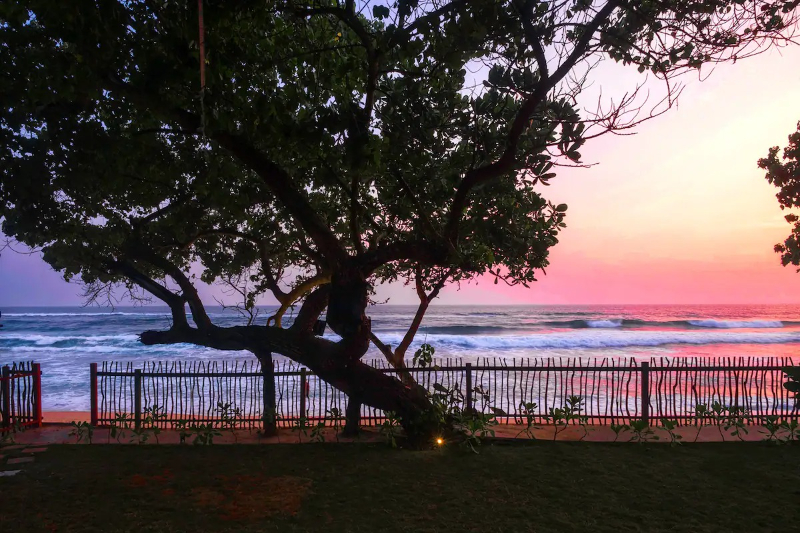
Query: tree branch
point(288, 299)
point(280, 183)
point(505, 163)
point(533, 38)
point(175, 302)
point(188, 290)
point(423, 251)
point(313, 306)
point(424, 301)
point(403, 35)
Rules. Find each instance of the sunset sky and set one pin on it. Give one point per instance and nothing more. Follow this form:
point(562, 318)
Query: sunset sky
point(678, 213)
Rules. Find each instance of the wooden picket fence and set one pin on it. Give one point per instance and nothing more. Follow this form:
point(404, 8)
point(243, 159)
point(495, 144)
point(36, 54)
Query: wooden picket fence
point(613, 390)
point(20, 396)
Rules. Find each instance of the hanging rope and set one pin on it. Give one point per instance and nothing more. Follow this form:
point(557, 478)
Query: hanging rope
point(202, 43)
point(202, 46)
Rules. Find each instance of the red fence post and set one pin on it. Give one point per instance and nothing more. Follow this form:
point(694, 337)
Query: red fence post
point(5, 393)
point(37, 394)
point(93, 379)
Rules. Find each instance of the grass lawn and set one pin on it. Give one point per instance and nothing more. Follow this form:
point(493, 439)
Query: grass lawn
point(359, 487)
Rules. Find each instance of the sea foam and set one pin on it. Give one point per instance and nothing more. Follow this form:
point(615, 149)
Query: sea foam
point(729, 324)
point(602, 339)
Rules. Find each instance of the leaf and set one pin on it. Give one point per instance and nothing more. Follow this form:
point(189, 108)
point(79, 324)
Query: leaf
point(380, 12)
point(792, 386)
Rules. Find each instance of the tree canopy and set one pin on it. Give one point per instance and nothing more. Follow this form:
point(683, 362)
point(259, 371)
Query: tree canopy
point(333, 146)
point(784, 172)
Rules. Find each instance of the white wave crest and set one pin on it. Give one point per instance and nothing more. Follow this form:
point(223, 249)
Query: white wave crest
point(113, 313)
point(729, 324)
point(602, 339)
point(604, 323)
point(64, 341)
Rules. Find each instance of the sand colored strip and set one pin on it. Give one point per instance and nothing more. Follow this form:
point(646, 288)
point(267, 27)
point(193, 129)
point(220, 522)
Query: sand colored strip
point(65, 417)
point(59, 434)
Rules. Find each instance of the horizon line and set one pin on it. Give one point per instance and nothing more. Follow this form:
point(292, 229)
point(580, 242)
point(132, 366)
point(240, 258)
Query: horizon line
point(78, 306)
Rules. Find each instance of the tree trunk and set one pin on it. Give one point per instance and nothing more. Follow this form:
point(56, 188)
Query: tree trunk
point(352, 426)
point(270, 419)
point(337, 363)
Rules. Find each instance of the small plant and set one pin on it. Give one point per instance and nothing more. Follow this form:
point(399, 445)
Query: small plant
point(701, 414)
point(82, 431)
point(424, 356)
point(119, 426)
point(10, 435)
point(446, 404)
point(556, 416)
point(7, 437)
point(184, 432)
point(562, 417)
point(528, 411)
point(642, 432)
point(230, 417)
point(619, 429)
point(477, 426)
point(201, 434)
point(149, 425)
point(792, 430)
point(773, 427)
point(735, 420)
point(204, 434)
point(318, 432)
point(670, 426)
point(301, 427)
point(717, 413)
point(336, 416)
point(389, 428)
point(140, 435)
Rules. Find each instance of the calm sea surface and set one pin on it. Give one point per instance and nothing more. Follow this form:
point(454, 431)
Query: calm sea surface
point(66, 340)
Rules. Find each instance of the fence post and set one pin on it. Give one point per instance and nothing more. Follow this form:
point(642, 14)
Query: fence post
point(268, 376)
point(645, 392)
point(469, 387)
point(37, 394)
point(137, 398)
point(6, 394)
point(303, 383)
point(93, 381)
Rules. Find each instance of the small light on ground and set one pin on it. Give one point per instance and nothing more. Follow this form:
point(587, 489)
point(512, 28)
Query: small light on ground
point(439, 442)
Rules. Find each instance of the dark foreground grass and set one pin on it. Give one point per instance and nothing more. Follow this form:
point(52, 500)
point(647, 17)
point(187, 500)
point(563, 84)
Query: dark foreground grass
point(369, 488)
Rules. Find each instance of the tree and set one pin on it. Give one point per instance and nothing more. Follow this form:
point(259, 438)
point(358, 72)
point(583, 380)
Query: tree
point(784, 173)
point(331, 145)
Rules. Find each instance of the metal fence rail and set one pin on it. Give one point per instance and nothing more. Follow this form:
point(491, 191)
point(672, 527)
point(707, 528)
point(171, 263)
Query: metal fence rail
point(613, 390)
point(20, 396)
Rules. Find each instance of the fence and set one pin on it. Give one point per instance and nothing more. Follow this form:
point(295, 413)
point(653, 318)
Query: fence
point(613, 390)
point(20, 396)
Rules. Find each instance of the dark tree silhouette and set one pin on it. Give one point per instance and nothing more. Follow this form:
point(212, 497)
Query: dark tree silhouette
point(335, 145)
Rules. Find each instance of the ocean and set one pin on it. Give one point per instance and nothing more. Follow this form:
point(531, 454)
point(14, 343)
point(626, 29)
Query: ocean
point(66, 340)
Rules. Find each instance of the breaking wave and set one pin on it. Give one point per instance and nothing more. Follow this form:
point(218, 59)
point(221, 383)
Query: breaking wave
point(604, 339)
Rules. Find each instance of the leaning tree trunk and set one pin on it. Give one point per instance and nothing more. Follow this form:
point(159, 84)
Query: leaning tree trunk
point(352, 417)
point(346, 313)
point(337, 363)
